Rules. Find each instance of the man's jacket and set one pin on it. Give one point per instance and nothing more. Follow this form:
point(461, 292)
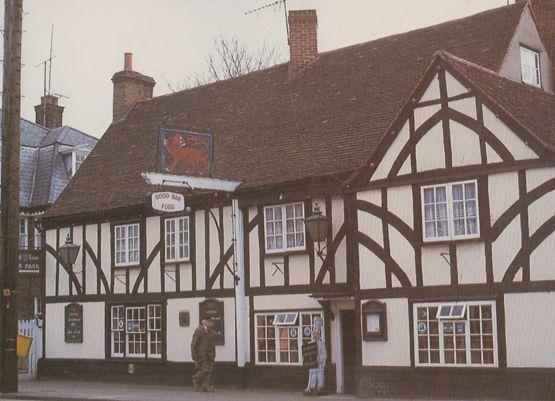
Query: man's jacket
point(202, 346)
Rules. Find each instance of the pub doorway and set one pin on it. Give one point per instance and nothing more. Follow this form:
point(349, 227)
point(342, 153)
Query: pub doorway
point(349, 351)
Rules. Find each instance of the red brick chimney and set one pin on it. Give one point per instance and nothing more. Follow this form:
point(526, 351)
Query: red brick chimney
point(129, 87)
point(303, 47)
point(48, 113)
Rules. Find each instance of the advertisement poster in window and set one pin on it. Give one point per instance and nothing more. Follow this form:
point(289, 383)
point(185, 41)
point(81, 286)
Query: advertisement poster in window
point(185, 153)
point(214, 309)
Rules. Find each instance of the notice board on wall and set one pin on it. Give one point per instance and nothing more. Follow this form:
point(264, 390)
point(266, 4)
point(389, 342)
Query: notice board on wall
point(73, 328)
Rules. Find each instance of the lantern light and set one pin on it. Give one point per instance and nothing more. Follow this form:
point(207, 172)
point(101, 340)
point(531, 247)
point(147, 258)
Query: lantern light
point(317, 226)
point(69, 252)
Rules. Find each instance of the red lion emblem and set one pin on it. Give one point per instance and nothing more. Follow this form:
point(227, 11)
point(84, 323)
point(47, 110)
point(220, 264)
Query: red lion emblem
point(189, 152)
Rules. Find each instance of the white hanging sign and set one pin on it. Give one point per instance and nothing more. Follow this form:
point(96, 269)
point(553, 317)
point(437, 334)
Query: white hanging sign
point(168, 201)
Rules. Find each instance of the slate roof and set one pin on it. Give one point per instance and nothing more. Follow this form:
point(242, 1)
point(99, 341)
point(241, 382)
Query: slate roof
point(43, 175)
point(269, 129)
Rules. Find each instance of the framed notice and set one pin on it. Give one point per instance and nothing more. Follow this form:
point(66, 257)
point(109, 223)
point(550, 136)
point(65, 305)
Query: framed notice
point(374, 321)
point(73, 323)
point(214, 309)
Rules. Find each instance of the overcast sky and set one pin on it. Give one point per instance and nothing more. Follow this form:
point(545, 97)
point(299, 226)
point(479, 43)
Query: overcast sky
point(170, 40)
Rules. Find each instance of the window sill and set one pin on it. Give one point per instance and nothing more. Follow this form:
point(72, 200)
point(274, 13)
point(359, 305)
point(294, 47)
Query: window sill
point(451, 241)
point(150, 360)
point(284, 253)
point(123, 267)
point(175, 262)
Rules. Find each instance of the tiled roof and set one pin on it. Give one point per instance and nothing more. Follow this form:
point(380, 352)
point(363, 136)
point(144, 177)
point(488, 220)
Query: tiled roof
point(269, 129)
point(544, 14)
point(531, 107)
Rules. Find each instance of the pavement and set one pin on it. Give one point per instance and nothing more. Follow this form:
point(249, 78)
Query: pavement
point(56, 390)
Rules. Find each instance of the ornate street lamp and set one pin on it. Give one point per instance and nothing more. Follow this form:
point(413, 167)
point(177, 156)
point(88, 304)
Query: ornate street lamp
point(69, 252)
point(318, 225)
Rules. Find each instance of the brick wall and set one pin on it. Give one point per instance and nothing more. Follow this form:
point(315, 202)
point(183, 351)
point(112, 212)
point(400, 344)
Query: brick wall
point(303, 46)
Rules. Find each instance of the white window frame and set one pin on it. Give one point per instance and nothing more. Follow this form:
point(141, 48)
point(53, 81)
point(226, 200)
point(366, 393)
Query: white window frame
point(298, 325)
point(74, 161)
point(152, 324)
point(181, 239)
point(37, 238)
point(285, 247)
point(156, 322)
point(122, 244)
point(526, 52)
point(37, 306)
point(23, 235)
point(441, 334)
point(113, 330)
point(451, 236)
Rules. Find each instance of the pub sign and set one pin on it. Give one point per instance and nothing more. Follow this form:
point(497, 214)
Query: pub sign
point(214, 309)
point(73, 323)
point(185, 153)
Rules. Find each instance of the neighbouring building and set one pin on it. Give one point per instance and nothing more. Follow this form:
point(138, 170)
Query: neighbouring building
point(431, 152)
point(50, 154)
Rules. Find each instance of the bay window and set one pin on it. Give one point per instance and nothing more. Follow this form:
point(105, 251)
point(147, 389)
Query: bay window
point(450, 211)
point(455, 334)
point(280, 336)
point(177, 239)
point(284, 225)
point(136, 331)
point(127, 244)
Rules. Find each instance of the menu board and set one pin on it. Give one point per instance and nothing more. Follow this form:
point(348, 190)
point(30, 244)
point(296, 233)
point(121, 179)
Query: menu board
point(310, 354)
point(214, 309)
point(74, 323)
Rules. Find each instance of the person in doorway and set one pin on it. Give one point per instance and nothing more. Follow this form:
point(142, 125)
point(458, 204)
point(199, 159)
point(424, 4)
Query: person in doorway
point(316, 375)
point(203, 352)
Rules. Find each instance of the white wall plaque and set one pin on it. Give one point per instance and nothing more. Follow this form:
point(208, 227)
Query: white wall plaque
point(168, 201)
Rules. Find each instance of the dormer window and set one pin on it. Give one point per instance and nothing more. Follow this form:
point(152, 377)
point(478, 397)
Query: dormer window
point(530, 66)
point(76, 160)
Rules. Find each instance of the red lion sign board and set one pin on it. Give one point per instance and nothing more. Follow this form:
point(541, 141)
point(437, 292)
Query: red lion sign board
point(185, 153)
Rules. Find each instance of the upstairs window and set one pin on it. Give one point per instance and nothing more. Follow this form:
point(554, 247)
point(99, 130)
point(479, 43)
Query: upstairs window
point(450, 211)
point(177, 239)
point(23, 236)
point(77, 160)
point(127, 244)
point(284, 226)
point(530, 67)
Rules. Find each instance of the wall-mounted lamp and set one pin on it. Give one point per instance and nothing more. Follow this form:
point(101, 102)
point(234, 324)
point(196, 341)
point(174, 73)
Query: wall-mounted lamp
point(318, 225)
point(69, 252)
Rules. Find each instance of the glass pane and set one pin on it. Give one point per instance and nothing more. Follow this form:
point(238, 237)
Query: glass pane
point(430, 230)
point(434, 342)
point(441, 195)
point(442, 228)
point(449, 357)
point(434, 356)
point(289, 211)
point(472, 226)
point(458, 210)
point(476, 357)
point(486, 311)
point(269, 213)
point(469, 191)
point(470, 208)
point(429, 212)
point(486, 327)
point(458, 225)
point(423, 356)
point(474, 311)
point(488, 357)
point(428, 195)
point(422, 313)
point(457, 192)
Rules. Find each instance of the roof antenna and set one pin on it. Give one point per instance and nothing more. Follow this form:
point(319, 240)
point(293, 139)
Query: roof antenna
point(275, 3)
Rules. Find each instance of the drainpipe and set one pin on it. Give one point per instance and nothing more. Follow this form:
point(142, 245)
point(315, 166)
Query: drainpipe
point(242, 334)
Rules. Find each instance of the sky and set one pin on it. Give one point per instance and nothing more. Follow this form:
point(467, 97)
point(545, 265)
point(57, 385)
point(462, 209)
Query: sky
point(170, 40)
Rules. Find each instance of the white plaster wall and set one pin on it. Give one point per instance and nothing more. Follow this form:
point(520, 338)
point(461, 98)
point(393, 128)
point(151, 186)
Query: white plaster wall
point(430, 153)
point(491, 155)
point(254, 251)
point(529, 322)
point(540, 211)
point(537, 176)
point(371, 226)
point(214, 246)
point(63, 283)
point(403, 253)
point(471, 262)
point(391, 154)
point(105, 257)
point(276, 279)
point(465, 145)
point(503, 192)
point(200, 244)
point(50, 264)
point(299, 270)
point(435, 270)
point(516, 146)
point(505, 248)
point(338, 218)
point(283, 302)
point(228, 236)
point(396, 350)
point(432, 92)
point(527, 34)
point(78, 265)
point(372, 269)
point(185, 276)
point(179, 338)
point(454, 87)
point(399, 201)
point(542, 260)
point(92, 346)
point(466, 106)
point(421, 114)
point(152, 239)
point(373, 196)
point(91, 233)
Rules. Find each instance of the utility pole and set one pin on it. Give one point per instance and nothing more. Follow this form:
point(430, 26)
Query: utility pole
point(9, 199)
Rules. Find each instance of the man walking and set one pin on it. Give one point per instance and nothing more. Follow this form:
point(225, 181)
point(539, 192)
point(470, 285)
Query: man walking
point(203, 352)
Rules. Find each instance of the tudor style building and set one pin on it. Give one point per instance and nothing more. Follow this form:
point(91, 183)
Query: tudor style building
point(431, 152)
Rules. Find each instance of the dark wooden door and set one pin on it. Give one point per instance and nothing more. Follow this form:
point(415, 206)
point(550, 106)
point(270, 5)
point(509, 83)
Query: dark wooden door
point(349, 351)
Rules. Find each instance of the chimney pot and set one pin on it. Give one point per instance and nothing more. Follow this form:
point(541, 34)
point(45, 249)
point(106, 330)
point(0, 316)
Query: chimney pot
point(128, 62)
